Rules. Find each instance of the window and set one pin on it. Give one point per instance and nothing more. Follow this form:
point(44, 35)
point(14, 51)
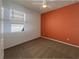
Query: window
point(17, 27)
point(17, 19)
point(17, 15)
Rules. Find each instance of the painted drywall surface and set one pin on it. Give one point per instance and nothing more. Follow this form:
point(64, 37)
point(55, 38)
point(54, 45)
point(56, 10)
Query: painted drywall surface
point(32, 26)
point(62, 24)
point(1, 38)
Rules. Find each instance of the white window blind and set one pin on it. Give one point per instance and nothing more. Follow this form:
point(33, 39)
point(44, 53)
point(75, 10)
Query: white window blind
point(17, 16)
point(17, 19)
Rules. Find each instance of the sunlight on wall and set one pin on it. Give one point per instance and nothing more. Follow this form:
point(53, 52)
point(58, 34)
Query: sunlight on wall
point(2, 17)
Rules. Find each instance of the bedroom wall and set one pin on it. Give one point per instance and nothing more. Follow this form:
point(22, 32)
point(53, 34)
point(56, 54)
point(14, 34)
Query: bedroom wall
point(62, 24)
point(1, 37)
point(32, 25)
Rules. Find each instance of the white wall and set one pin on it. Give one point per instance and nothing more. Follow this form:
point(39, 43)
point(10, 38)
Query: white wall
point(1, 38)
point(32, 26)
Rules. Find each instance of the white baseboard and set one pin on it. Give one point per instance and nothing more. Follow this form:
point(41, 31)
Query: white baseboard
point(61, 42)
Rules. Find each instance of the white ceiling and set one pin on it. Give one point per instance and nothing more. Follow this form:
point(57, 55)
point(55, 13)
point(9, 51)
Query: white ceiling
point(36, 5)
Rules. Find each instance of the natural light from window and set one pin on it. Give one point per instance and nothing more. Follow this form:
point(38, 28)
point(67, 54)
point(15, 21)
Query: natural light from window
point(17, 27)
point(17, 19)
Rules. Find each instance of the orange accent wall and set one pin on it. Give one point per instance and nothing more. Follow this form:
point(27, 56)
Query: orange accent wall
point(61, 24)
